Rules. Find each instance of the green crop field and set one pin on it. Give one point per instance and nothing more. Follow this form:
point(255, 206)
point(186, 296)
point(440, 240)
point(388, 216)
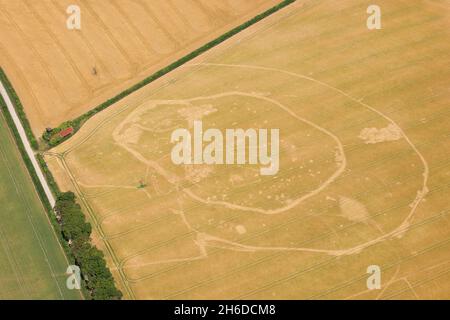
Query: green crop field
point(32, 263)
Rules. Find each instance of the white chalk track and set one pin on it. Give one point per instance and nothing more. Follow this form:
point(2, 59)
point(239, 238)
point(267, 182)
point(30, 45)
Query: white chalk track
point(27, 145)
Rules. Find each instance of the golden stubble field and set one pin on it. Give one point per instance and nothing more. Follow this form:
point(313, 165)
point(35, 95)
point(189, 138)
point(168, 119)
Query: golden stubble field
point(52, 68)
point(363, 178)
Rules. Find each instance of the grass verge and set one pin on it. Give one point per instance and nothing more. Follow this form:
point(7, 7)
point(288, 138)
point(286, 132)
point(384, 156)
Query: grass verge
point(19, 109)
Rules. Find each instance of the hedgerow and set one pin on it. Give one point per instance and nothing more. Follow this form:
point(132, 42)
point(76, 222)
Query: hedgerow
point(19, 109)
point(37, 184)
point(48, 175)
point(78, 122)
point(72, 227)
point(91, 260)
point(24, 154)
point(96, 276)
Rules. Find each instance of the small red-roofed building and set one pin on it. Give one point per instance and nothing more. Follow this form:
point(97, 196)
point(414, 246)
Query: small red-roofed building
point(66, 132)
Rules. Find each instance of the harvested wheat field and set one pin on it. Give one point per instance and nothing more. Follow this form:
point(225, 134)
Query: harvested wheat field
point(60, 73)
point(364, 171)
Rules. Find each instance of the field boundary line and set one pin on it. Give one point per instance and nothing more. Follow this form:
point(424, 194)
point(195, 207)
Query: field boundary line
point(98, 227)
point(18, 104)
point(38, 188)
point(35, 232)
point(27, 145)
point(78, 122)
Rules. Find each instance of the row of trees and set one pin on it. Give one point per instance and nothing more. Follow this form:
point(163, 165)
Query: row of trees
point(72, 229)
point(96, 276)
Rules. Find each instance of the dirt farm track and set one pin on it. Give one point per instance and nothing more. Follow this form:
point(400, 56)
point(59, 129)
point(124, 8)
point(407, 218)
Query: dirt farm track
point(364, 170)
point(52, 68)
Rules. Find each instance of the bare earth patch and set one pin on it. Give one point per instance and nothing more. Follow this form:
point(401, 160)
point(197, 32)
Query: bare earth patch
point(374, 135)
